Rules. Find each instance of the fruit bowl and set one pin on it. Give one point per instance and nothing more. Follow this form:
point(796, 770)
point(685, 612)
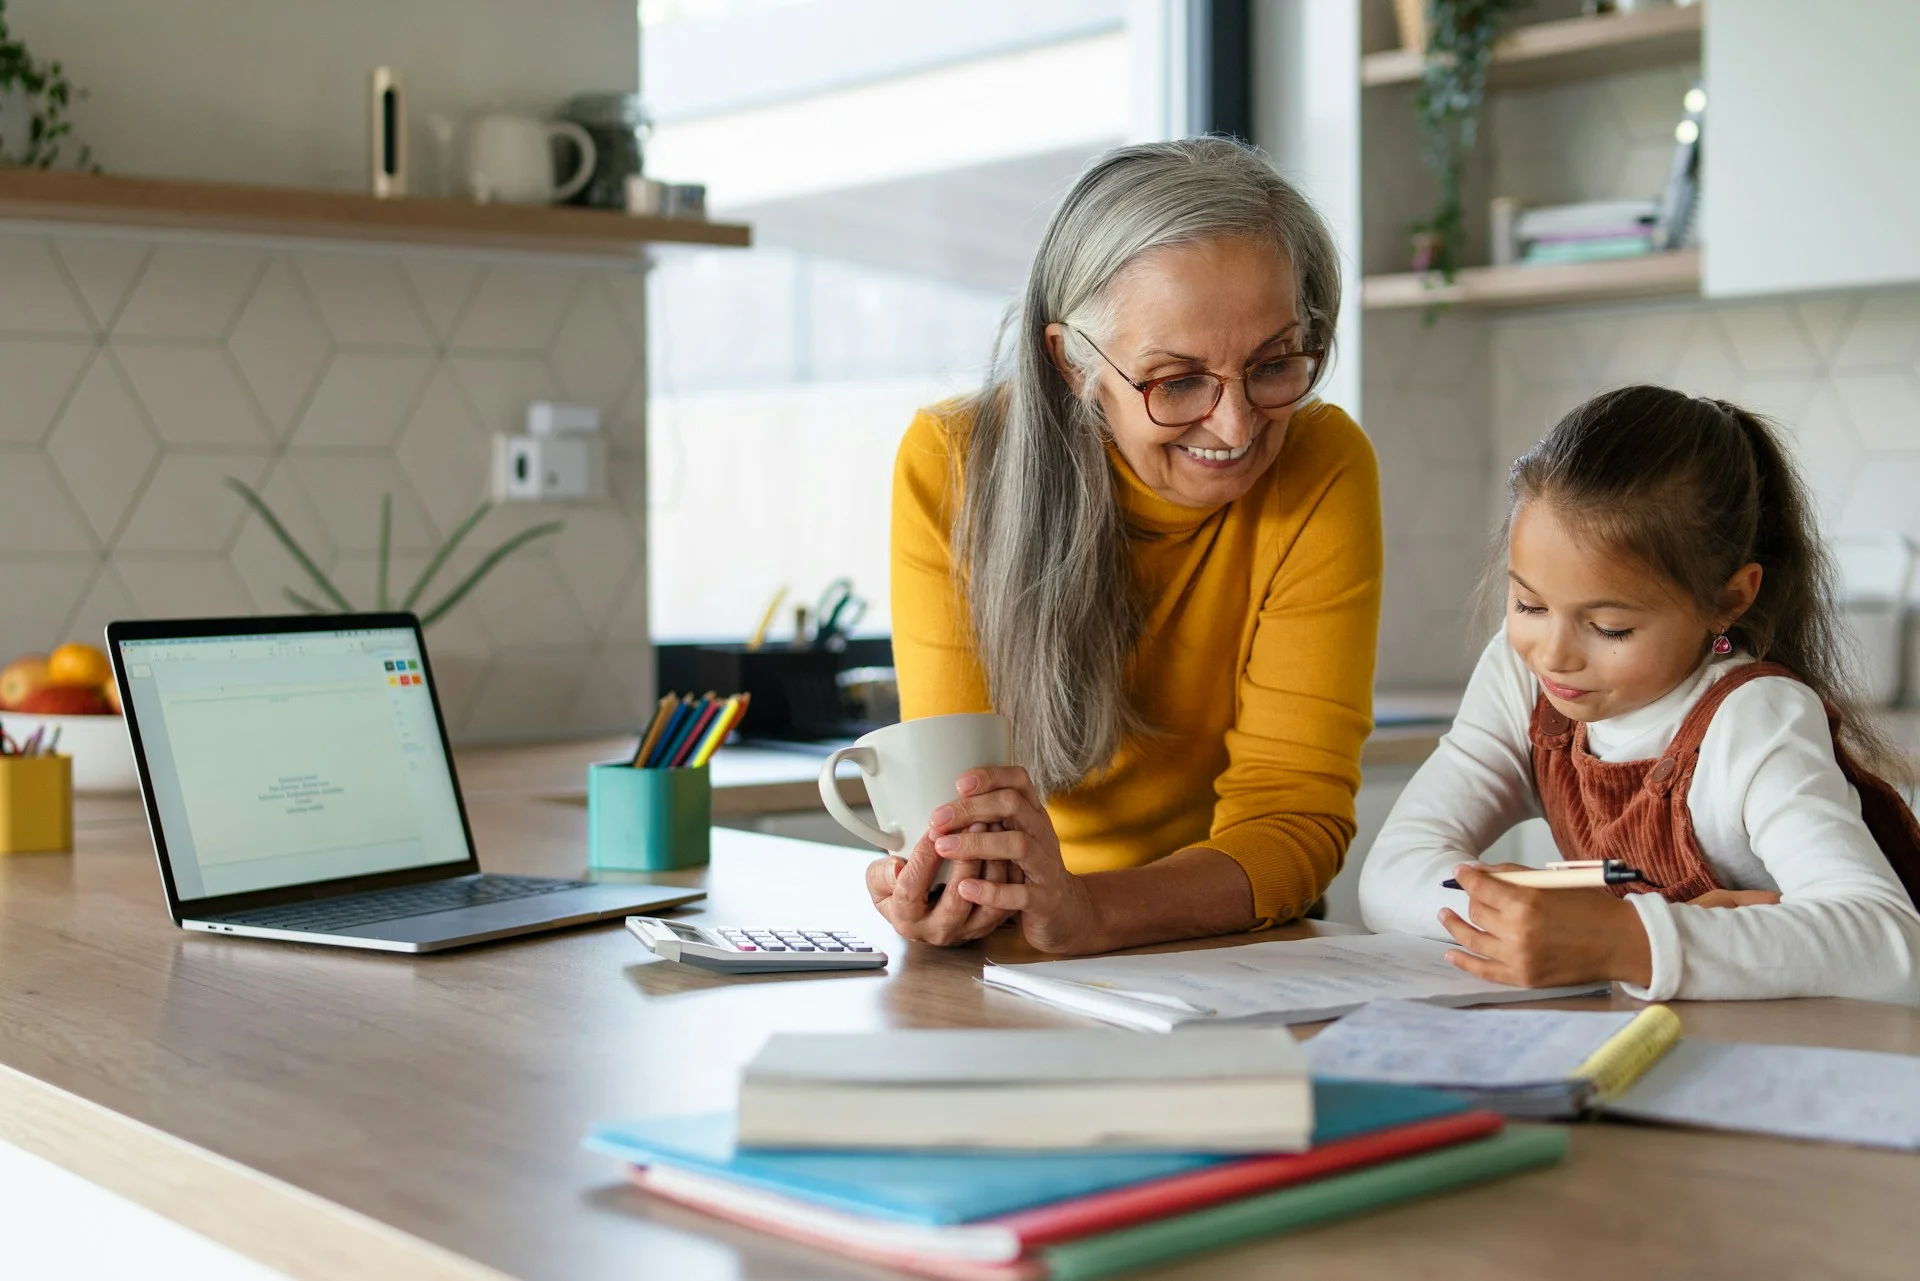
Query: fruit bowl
point(101, 751)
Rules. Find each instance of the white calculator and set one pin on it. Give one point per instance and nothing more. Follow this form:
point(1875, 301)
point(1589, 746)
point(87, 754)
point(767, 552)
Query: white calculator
point(756, 950)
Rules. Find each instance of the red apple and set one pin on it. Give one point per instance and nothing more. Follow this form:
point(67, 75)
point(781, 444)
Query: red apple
point(64, 700)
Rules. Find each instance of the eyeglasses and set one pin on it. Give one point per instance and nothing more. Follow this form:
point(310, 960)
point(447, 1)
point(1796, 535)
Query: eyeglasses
point(1180, 400)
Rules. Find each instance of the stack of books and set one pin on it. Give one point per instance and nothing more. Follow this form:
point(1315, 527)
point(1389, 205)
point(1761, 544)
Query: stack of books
point(1035, 1156)
point(1590, 231)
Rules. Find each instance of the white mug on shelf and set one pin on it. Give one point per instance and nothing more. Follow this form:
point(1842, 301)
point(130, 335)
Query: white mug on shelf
point(510, 159)
point(910, 771)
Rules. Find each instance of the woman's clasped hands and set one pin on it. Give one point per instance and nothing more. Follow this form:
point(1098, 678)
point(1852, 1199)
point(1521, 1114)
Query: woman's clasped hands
point(1003, 860)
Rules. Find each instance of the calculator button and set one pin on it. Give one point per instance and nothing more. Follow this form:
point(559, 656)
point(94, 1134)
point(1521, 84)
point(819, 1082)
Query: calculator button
point(831, 947)
point(773, 947)
point(745, 947)
point(803, 947)
point(860, 948)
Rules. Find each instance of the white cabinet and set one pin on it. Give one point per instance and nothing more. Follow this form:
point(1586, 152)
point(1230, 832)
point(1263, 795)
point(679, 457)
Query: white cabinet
point(1811, 154)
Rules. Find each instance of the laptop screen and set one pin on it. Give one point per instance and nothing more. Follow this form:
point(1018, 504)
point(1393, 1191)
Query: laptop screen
point(288, 758)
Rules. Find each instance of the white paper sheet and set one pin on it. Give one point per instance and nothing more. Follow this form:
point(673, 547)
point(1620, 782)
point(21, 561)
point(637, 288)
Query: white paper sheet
point(1801, 1092)
point(1291, 982)
point(1414, 1043)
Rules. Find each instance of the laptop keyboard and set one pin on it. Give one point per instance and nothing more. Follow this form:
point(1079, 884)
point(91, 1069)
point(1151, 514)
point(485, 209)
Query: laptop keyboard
point(395, 904)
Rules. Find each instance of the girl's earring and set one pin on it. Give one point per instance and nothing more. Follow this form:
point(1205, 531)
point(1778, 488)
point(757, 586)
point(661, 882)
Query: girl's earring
point(1721, 645)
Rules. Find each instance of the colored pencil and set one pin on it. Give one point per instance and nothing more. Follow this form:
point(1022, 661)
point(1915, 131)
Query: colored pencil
point(661, 715)
point(718, 735)
point(703, 744)
point(696, 735)
point(674, 723)
point(669, 748)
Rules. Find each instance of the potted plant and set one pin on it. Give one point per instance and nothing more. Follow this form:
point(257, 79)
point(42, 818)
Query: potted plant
point(335, 600)
point(36, 94)
point(1461, 35)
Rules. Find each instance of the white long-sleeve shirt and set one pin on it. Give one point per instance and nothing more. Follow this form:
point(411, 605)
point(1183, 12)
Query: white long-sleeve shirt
point(1771, 811)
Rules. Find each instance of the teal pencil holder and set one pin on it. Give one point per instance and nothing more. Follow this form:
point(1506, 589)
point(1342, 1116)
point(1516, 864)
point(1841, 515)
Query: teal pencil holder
point(648, 820)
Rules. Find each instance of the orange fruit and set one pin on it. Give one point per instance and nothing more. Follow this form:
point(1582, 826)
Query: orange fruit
point(76, 664)
point(22, 679)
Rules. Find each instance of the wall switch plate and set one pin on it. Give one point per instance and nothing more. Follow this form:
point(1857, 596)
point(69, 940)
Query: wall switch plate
point(548, 468)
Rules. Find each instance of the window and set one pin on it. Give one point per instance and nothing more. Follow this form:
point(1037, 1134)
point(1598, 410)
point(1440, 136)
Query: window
point(898, 164)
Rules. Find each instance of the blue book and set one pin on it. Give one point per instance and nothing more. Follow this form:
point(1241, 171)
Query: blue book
point(960, 1187)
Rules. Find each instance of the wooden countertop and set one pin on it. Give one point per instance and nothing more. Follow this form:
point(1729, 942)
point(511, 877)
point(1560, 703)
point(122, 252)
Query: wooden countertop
point(339, 1114)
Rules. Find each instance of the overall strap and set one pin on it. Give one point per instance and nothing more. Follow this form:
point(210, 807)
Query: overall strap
point(1676, 762)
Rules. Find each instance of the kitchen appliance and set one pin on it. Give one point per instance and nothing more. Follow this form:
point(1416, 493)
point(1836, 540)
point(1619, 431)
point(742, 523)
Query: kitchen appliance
point(510, 159)
point(1876, 570)
point(618, 125)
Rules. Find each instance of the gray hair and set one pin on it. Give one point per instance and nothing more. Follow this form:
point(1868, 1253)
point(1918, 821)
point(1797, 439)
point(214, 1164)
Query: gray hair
point(1040, 542)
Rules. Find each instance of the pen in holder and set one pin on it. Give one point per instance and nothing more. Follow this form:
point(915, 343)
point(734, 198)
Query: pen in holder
point(648, 820)
point(36, 804)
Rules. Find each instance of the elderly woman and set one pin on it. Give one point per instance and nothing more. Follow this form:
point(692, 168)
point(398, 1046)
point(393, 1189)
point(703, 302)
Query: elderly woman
point(1145, 545)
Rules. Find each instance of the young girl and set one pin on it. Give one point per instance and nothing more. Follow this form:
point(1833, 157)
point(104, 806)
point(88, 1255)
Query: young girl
point(1667, 692)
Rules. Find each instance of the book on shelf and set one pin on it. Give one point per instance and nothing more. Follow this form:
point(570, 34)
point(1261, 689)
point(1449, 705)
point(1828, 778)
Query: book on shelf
point(1223, 1090)
point(1587, 218)
point(1595, 249)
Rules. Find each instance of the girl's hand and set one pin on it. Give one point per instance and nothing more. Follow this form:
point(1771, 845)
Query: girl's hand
point(1734, 898)
point(899, 887)
point(999, 822)
point(1545, 938)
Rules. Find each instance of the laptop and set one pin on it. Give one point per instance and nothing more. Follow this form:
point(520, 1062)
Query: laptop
point(299, 785)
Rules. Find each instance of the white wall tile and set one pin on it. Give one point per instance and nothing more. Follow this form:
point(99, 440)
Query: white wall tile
point(526, 691)
point(523, 602)
point(617, 693)
point(1826, 450)
point(178, 586)
point(515, 308)
point(597, 556)
point(1767, 339)
point(500, 388)
point(444, 453)
point(263, 564)
point(1826, 320)
point(1885, 331)
point(40, 595)
point(363, 399)
point(35, 298)
point(1705, 365)
point(1881, 496)
point(443, 288)
point(190, 291)
point(595, 353)
point(279, 345)
point(103, 447)
point(36, 515)
point(36, 376)
point(192, 393)
point(346, 489)
point(106, 600)
point(187, 506)
point(103, 269)
point(365, 299)
point(1884, 409)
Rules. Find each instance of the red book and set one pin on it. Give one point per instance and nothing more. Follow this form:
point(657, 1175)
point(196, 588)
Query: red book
point(997, 1249)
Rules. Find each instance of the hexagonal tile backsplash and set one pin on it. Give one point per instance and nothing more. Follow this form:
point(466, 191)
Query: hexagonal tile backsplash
point(137, 373)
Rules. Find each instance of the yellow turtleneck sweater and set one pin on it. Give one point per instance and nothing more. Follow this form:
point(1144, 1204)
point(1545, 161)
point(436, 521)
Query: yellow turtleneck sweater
point(1255, 664)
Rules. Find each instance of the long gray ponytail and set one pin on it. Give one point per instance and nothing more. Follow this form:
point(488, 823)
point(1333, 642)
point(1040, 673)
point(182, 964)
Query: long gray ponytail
point(1040, 543)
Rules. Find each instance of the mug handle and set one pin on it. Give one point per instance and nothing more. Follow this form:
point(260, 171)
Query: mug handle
point(589, 154)
point(864, 760)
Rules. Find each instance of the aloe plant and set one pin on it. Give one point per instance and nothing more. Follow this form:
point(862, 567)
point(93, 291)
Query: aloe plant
point(336, 600)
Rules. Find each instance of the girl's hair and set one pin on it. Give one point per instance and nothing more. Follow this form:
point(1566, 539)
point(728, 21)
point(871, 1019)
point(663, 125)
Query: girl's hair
point(1040, 543)
point(1694, 488)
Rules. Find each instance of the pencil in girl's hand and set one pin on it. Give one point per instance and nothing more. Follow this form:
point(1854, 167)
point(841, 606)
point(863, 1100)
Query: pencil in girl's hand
point(710, 707)
point(661, 715)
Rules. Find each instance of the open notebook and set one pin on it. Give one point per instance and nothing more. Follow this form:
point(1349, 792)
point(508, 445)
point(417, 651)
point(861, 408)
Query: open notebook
point(1526, 1063)
point(1260, 983)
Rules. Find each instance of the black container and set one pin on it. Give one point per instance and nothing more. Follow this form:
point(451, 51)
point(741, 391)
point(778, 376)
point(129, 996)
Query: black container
point(617, 123)
point(794, 691)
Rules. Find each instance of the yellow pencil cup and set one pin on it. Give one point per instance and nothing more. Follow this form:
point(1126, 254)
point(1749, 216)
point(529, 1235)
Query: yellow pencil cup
point(36, 804)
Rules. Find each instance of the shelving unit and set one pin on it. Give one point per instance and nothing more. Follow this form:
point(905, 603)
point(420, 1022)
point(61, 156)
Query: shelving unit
point(342, 215)
point(1546, 53)
point(1503, 288)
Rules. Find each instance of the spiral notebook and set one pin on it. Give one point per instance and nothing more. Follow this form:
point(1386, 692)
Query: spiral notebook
point(1524, 1063)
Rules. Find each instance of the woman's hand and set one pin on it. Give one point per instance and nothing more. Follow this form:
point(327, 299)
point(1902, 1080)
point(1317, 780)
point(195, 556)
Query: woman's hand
point(999, 822)
point(900, 887)
point(1545, 938)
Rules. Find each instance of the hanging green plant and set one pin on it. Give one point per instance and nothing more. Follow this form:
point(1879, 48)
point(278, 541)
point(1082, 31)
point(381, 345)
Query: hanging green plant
point(1453, 88)
point(43, 93)
point(336, 600)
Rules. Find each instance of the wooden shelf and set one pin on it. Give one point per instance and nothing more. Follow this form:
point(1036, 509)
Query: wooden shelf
point(344, 215)
point(1547, 53)
point(1548, 285)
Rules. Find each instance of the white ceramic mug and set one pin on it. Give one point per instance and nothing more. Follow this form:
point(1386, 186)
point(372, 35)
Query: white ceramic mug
point(510, 160)
point(910, 771)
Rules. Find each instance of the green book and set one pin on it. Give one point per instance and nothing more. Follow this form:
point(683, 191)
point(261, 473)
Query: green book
point(1514, 1149)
